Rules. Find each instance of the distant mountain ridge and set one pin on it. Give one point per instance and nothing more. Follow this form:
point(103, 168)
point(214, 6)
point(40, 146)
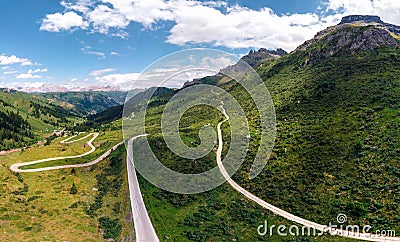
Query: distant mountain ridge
point(135, 101)
point(254, 57)
point(86, 102)
point(62, 88)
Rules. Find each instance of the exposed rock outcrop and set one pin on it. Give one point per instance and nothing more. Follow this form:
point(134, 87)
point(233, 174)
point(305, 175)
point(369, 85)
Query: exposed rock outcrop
point(354, 33)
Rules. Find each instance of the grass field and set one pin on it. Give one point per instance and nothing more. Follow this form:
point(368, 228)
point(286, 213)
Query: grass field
point(102, 143)
point(39, 206)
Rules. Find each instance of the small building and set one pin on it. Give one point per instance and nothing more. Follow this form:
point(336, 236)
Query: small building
point(58, 132)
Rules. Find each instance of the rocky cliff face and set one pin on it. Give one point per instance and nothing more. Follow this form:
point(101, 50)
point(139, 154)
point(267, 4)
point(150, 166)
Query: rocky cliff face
point(354, 33)
point(361, 18)
point(370, 20)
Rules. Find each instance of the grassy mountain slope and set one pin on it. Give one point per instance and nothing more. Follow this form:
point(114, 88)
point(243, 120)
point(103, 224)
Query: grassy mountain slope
point(28, 118)
point(134, 104)
point(336, 151)
point(41, 206)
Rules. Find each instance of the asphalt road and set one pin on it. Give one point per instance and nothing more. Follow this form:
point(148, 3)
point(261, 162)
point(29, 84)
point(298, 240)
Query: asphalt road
point(144, 228)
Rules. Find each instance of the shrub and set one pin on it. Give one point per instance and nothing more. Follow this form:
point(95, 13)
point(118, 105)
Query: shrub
point(112, 228)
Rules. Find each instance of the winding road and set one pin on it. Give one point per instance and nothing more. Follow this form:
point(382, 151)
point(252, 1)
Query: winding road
point(67, 140)
point(280, 212)
point(144, 229)
point(16, 167)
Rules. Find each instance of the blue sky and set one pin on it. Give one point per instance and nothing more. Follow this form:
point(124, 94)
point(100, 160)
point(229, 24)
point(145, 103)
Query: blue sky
point(108, 42)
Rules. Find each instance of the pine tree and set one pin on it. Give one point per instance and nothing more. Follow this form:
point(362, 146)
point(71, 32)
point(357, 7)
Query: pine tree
point(73, 190)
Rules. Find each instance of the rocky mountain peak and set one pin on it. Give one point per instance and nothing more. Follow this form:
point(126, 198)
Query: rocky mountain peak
point(256, 56)
point(354, 33)
point(361, 18)
point(370, 20)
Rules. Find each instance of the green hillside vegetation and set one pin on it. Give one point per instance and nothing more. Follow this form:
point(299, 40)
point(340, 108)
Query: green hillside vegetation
point(135, 103)
point(41, 206)
point(218, 215)
point(13, 130)
point(336, 149)
point(104, 142)
point(27, 119)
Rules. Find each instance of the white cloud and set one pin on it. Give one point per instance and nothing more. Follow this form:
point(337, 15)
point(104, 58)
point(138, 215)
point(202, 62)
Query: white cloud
point(350, 7)
point(123, 80)
point(242, 27)
point(113, 53)
point(104, 18)
point(9, 72)
point(218, 62)
point(144, 11)
point(37, 71)
point(82, 6)
point(29, 84)
point(100, 54)
point(31, 74)
point(388, 10)
point(27, 76)
point(11, 60)
point(88, 50)
point(101, 72)
point(68, 21)
point(5, 67)
point(213, 22)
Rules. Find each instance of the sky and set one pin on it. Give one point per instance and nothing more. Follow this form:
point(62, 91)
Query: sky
point(46, 45)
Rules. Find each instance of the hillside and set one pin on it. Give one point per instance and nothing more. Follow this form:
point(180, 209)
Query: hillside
point(27, 119)
point(135, 102)
point(336, 100)
point(337, 108)
point(37, 205)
